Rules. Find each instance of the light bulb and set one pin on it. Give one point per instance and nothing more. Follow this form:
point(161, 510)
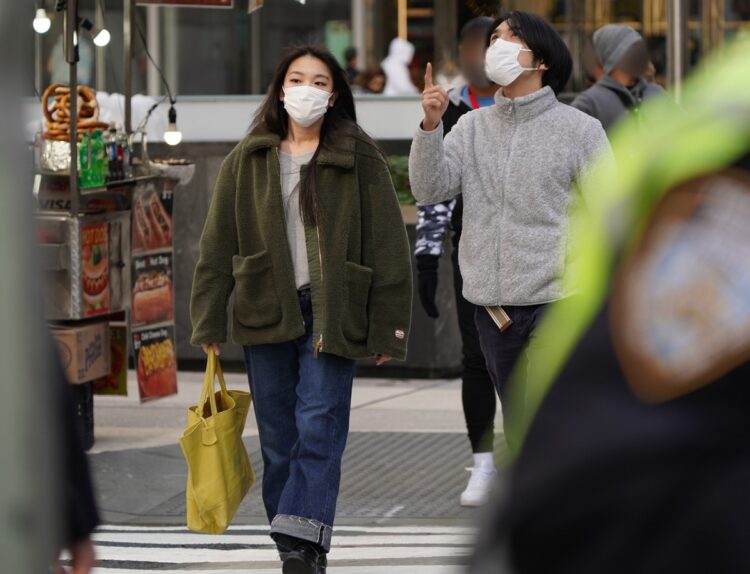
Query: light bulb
point(172, 136)
point(42, 23)
point(102, 38)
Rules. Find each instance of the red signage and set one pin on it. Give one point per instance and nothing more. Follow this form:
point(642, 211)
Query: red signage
point(193, 3)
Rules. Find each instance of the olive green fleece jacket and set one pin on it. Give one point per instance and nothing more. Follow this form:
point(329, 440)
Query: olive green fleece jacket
point(359, 256)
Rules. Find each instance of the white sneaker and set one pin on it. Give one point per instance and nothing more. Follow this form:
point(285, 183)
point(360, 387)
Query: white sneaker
point(480, 485)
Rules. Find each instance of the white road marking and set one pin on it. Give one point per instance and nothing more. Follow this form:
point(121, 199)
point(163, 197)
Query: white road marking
point(356, 550)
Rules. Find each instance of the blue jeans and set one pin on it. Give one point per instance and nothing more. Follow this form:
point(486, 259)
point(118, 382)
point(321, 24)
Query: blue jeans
point(302, 408)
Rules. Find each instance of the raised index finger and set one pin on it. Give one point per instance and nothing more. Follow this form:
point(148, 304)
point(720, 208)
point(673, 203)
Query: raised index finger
point(428, 76)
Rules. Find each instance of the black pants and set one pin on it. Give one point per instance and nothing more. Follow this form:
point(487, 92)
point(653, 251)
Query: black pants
point(477, 390)
point(503, 350)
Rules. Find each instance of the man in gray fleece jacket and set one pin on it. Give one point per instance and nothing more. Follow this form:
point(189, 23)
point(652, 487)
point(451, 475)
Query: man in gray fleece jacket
point(516, 164)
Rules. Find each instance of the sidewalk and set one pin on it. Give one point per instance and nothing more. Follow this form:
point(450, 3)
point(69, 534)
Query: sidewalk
point(405, 460)
point(378, 405)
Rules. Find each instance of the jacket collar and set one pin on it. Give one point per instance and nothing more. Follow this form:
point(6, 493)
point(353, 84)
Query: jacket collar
point(341, 156)
point(635, 92)
point(526, 107)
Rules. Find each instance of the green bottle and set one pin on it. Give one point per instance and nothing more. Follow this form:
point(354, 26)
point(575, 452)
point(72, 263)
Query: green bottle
point(100, 159)
point(86, 161)
point(93, 164)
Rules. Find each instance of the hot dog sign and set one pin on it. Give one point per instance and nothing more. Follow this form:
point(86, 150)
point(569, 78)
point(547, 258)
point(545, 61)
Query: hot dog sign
point(152, 301)
point(152, 298)
point(95, 269)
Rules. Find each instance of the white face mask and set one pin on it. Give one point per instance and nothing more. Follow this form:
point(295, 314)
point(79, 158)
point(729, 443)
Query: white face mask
point(305, 104)
point(501, 62)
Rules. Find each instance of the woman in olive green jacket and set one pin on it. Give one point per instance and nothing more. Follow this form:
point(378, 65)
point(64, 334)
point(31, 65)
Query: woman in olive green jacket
point(305, 228)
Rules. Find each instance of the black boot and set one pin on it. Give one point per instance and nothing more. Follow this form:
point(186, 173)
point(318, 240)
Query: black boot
point(306, 558)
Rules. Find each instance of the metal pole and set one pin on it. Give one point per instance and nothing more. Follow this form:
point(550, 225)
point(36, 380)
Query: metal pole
point(445, 32)
point(100, 55)
point(358, 31)
point(403, 20)
point(256, 62)
point(71, 56)
point(127, 30)
point(38, 63)
point(171, 41)
point(153, 23)
point(676, 45)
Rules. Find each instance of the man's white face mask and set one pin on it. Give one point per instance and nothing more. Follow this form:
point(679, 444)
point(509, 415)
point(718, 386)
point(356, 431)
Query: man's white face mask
point(501, 62)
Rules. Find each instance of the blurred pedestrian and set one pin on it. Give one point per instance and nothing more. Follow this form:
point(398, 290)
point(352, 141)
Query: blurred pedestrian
point(318, 260)
point(371, 81)
point(396, 67)
point(80, 515)
point(448, 76)
point(621, 62)
point(516, 164)
point(637, 452)
point(352, 67)
point(434, 222)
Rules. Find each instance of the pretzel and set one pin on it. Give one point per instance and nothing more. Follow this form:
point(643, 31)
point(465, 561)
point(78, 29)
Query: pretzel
point(45, 100)
point(56, 105)
point(92, 124)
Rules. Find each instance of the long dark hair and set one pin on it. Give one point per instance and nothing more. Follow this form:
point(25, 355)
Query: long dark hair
point(339, 119)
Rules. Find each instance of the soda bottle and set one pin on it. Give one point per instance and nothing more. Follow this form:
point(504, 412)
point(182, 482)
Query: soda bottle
point(86, 158)
point(110, 143)
point(100, 158)
point(124, 152)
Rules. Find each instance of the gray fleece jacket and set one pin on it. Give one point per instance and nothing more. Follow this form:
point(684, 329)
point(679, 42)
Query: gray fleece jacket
point(516, 164)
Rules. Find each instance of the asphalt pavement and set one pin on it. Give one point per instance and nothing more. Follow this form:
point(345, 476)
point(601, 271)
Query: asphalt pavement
point(403, 471)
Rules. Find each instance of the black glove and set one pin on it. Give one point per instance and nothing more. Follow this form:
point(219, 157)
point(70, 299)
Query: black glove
point(427, 268)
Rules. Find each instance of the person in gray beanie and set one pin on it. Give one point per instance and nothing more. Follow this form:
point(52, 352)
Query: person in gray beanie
point(623, 59)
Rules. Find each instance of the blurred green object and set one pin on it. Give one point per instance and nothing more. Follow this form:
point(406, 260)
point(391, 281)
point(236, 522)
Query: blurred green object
point(399, 165)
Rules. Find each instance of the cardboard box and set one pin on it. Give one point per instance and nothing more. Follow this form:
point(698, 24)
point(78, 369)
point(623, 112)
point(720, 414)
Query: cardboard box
point(116, 383)
point(84, 351)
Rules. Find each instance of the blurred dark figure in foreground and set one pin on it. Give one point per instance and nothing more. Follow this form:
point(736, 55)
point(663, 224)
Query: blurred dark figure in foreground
point(80, 516)
point(618, 63)
point(636, 456)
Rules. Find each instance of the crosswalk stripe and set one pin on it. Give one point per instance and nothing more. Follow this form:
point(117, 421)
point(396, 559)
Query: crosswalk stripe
point(356, 550)
point(242, 529)
point(204, 540)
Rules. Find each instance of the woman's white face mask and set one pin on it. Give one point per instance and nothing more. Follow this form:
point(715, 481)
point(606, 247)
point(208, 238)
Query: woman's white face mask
point(501, 62)
point(306, 104)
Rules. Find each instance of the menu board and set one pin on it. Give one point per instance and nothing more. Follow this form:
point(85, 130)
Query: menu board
point(152, 290)
point(95, 269)
point(155, 362)
point(152, 296)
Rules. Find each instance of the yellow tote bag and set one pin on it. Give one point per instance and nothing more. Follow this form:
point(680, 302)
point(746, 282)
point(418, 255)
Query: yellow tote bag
point(219, 471)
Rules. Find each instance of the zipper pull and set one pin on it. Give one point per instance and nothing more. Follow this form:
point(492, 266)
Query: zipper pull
point(317, 347)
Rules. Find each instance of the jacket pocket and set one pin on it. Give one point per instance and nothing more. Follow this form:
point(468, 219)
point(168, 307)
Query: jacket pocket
point(256, 304)
point(357, 281)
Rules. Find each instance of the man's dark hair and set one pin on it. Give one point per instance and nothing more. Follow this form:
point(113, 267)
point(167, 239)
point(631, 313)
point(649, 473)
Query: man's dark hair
point(545, 43)
point(476, 28)
point(350, 54)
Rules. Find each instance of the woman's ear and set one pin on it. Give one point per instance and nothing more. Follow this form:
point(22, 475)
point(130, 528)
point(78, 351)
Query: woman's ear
point(281, 94)
point(332, 99)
